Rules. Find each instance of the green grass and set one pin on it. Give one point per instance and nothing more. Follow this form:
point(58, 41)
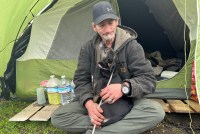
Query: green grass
point(9, 108)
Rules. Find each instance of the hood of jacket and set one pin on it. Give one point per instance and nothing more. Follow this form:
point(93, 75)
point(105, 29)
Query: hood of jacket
point(123, 34)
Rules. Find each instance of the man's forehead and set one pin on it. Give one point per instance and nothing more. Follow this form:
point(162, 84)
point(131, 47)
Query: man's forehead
point(106, 21)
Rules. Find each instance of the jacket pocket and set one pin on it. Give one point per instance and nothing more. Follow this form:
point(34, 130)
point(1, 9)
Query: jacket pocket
point(123, 70)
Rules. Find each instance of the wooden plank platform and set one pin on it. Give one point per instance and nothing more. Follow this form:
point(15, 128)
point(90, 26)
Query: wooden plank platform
point(195, 106)
point(179, 106)
point(26, 113)
point(33, 112)
point(165, 106)
point(44, 114)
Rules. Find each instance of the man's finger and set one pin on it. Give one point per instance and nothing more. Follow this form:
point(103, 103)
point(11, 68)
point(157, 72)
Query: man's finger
point(105, 97)
point(98, 114)
point(100, 110)
point(103, 92)
point(95, 120)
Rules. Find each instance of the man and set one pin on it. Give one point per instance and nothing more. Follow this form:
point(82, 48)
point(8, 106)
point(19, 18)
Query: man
point(137, 81)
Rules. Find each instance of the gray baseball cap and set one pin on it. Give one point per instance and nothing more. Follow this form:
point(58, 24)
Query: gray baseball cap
point(102, 11)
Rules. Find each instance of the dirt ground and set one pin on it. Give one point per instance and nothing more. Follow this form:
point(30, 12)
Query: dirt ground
point(178, 123)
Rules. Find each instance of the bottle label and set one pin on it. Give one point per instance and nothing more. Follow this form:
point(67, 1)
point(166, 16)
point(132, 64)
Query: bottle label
point(52, 89)
point(62, 89)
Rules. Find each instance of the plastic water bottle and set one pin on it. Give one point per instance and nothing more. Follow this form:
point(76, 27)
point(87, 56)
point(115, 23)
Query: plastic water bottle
point(64, 90)
point(72, 86)
point(52, 82)
point(52, 90)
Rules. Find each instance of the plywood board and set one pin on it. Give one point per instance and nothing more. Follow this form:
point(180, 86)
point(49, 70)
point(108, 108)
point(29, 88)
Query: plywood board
point(179, 107)
point(44, 114)
point(194, 105)
point(26, 113)
point(165, 106)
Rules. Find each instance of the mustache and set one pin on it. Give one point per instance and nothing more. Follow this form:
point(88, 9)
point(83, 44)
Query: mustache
point(108, 37)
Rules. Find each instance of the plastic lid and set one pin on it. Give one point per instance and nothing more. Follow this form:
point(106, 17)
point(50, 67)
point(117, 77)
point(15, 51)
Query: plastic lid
point(63, 76)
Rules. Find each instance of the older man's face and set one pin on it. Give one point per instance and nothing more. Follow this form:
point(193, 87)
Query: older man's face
point(106, 29)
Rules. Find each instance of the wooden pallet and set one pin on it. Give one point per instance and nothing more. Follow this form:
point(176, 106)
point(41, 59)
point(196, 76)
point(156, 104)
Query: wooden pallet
point(33, 112)
point(179, 106)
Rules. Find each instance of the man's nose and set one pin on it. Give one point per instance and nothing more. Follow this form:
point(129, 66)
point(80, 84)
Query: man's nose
point(107, 28)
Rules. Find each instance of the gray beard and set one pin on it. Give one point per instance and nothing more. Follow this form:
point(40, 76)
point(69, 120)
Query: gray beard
point(108, 38)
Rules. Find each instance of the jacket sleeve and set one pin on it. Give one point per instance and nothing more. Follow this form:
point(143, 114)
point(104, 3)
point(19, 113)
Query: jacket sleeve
point(141, 79)
point(82, 76)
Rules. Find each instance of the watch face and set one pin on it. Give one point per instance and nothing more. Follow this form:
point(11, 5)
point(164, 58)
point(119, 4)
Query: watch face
point(125, 90)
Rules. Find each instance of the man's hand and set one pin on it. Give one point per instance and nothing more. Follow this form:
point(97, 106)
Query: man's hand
point(94, 113)
point(111, 92)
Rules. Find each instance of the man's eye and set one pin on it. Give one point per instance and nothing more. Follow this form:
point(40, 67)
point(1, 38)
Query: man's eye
point(110, 22)
point(100, 25)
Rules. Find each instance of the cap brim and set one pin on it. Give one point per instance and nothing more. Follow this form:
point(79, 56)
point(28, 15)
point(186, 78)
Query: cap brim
point(104, 17)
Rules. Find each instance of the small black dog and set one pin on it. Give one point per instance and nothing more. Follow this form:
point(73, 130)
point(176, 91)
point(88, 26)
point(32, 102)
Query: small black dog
point(117, 110)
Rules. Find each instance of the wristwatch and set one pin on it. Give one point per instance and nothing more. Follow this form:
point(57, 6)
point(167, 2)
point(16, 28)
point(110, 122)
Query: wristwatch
point(125, 89)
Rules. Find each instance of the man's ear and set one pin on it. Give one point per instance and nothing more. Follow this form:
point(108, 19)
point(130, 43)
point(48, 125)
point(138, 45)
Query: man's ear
point(117, 22)
point(94, 27)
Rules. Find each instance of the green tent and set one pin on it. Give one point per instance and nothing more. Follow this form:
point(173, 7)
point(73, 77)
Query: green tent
point(54, 39)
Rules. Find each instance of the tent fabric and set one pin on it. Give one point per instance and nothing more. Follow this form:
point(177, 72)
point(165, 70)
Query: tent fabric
point(43, 24)
point(170, 93)
point(173, 27)
point(188, 11)
point(197, 54)
point(31, 72)
point(12, 15)
point(57, 35)
point(75, 35)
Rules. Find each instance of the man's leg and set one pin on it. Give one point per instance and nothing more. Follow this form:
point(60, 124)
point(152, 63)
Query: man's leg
point(71, 117)
point(144, 115)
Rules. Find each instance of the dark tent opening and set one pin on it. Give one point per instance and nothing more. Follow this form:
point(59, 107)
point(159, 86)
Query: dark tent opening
point(159, 27)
